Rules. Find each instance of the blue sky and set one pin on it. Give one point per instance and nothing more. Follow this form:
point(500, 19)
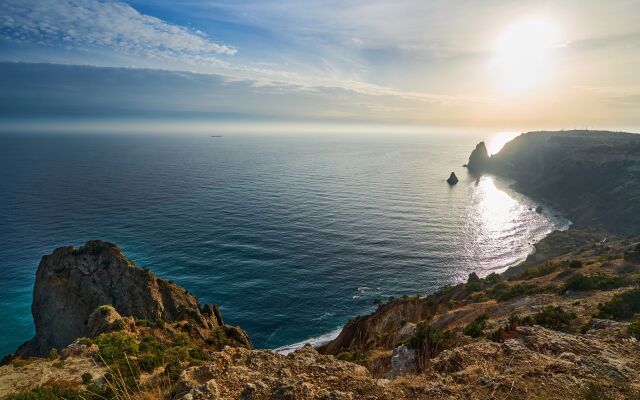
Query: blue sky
point(501, 63)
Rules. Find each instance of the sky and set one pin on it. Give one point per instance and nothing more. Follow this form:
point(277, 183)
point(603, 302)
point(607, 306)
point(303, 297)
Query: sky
point(503, 64)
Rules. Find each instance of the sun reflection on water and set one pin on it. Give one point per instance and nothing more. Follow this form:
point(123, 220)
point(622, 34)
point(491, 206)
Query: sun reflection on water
point(497, 208)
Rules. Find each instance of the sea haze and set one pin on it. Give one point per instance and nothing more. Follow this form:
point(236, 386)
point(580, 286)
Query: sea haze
point(291, 235)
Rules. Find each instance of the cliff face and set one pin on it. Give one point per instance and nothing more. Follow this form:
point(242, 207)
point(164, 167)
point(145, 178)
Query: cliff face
point(592, 177)
point(74, 286)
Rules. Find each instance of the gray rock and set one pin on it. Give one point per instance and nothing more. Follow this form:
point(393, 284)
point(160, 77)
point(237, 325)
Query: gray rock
point(403, 360)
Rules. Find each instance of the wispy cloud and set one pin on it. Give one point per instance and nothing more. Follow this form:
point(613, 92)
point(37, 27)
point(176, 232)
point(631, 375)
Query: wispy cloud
point(96, 25)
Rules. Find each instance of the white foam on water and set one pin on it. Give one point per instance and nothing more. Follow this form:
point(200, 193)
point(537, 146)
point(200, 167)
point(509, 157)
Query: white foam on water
point(315, 342)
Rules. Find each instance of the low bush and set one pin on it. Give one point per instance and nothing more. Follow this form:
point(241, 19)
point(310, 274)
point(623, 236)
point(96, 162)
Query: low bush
point(622, 306)
point(86, 378)
point(492, 278)
point(540, 270)
point(429, 341)
point(575, 264)
point(634, 328)
point(554, 317)
point(114, 346)
point(632, 254)
point(595, 282)
point(48, 393)
point(476, 327)
point(502, 291)
point(354, 356)
point(595, 391)
point(218, 339)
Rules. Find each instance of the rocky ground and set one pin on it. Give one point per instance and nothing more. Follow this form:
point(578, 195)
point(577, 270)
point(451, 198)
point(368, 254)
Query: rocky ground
point(561, 325)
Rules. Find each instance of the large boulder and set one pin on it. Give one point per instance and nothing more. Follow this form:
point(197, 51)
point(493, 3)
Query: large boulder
point(73, 286)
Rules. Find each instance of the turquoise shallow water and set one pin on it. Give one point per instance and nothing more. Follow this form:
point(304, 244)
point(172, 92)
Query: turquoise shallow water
point(291, 235)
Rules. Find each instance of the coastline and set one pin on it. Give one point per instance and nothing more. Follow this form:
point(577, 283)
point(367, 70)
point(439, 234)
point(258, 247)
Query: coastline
point(506, 270)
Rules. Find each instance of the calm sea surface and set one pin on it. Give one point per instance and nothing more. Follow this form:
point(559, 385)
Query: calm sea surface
point(291, 235)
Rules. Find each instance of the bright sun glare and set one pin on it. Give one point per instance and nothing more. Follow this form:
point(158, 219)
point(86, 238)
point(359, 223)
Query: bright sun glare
point(522, 53)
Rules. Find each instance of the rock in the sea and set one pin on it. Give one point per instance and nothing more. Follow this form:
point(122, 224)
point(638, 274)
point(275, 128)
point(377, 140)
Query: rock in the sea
point(86, 291)
point(453, 179)
point(479, 158)
point(539, 209)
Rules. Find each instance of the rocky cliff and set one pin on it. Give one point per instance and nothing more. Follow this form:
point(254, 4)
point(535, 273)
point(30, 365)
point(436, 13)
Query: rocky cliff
point(561, 325)
point(81, 292)
point(592, 177)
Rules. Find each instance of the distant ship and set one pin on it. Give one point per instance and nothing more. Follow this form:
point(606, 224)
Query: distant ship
point(216, 136)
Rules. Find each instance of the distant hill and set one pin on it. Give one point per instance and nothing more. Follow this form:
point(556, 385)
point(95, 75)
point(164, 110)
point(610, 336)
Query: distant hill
point(593, 177)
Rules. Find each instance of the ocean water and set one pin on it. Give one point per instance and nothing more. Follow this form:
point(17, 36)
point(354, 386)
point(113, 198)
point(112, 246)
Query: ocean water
point(291, 234)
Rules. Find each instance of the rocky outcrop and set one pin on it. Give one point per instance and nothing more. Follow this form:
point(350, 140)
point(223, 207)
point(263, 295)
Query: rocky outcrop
point(591, 177)
point(479, 158)
point(453, 179)
point(87, 291)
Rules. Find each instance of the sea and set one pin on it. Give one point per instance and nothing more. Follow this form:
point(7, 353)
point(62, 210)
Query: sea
point(291, 234)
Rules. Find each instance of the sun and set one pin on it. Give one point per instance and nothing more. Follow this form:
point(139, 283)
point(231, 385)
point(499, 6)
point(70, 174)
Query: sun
point(522, 53)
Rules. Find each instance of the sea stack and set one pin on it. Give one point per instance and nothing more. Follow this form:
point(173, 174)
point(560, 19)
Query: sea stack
point(479, 158)
point(453, 179)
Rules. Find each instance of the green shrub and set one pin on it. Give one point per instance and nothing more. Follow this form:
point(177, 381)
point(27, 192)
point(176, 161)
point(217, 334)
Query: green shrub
point(497, 335)
point(429, 341)
point(471, 287)
point(219, 339)
point(492, 278)
point(48, 393)
point(53, 354)
point(554, 317)
point(540, 270)
point(575, 264)
point(622, 306)
point(476, 327)
point(502, 292)
point(515, 321)
point(595, 391)
point(354, 356)
point(114, 345)
point(478, 297)
point(595, 282)
point(634, 328)
point(86, 378)
point(632, 254)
